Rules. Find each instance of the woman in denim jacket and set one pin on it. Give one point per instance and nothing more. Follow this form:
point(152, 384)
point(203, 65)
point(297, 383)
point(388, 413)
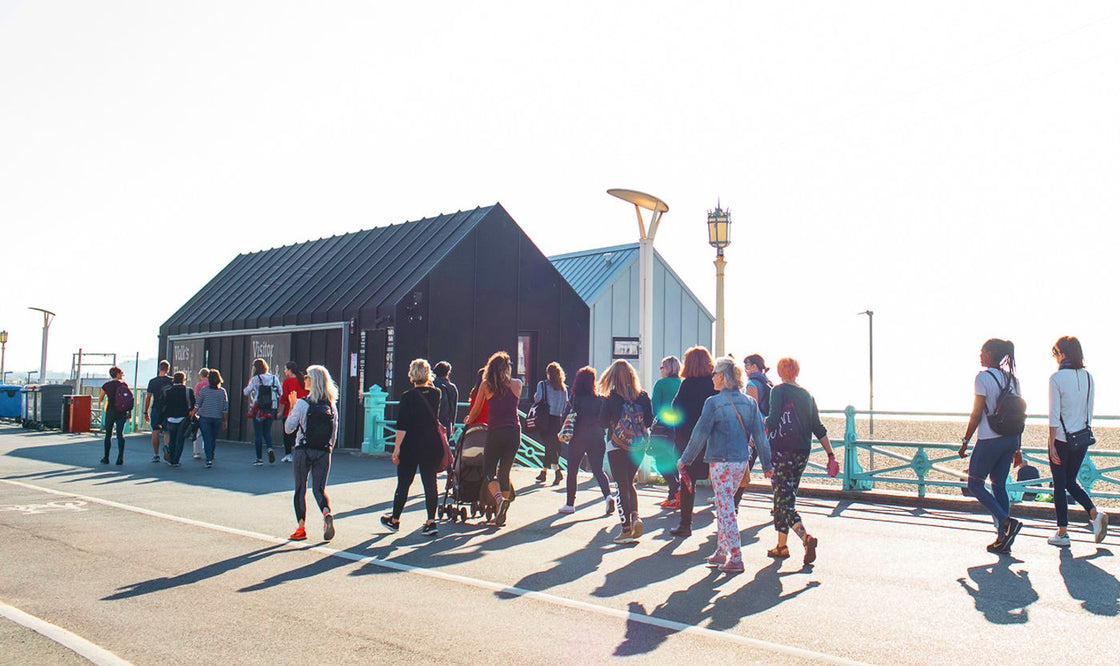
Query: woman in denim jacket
point(728, 424)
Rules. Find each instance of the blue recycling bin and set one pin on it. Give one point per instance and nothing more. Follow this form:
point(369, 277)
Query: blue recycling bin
point(9, 402)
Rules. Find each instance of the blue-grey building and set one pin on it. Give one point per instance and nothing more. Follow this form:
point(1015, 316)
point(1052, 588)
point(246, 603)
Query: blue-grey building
point(608, 281)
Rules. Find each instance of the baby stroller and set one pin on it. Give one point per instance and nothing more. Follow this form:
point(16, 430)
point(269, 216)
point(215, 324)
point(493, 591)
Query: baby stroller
point(466, 479)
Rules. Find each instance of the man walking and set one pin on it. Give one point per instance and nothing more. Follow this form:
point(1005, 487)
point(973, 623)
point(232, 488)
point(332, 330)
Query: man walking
point(449, 396)
point(153, 407)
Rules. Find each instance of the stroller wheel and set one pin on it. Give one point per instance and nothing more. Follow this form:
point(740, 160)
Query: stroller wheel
point(463, 514)
point(454, 516)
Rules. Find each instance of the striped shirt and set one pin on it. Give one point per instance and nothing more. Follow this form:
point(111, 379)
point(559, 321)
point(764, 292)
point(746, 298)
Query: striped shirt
point(213, 403)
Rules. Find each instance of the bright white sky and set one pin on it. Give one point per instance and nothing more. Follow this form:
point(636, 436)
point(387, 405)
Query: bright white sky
point(951, 165)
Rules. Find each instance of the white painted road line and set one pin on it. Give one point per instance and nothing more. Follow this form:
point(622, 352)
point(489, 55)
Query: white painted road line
point(67, 639)
point(628, 616)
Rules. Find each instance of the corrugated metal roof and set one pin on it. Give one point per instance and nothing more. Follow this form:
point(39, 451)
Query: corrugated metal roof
point(592, 270)
point(323, 280)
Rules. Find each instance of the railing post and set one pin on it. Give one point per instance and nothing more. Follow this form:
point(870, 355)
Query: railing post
point(373, 441)
point(852, 468)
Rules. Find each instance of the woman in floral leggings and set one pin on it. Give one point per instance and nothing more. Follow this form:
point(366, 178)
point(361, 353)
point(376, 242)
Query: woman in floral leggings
point(728, 423)
point(792, 422)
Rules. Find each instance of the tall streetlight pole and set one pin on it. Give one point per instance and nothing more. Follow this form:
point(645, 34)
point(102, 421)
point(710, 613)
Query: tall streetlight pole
point(645, 263)
point(3, 353)
point(719, 237)
point(48, 316)
point(870, 369)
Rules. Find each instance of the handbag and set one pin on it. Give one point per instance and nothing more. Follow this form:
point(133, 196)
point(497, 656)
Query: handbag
point(447, 459)
point(568, 430)
point(537, 419)
point(1084, 438)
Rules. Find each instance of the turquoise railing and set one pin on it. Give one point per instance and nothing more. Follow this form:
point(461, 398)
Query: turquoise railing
point(923, 464)
point(380, 432)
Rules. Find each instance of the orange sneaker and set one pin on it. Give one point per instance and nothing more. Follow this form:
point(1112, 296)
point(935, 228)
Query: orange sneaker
point(299, 535)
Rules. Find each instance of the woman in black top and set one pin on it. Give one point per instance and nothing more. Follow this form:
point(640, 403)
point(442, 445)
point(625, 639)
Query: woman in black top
point(695, 389)
point(112, 418)
point(178, 401)
point(587, 438)
point(418, 445)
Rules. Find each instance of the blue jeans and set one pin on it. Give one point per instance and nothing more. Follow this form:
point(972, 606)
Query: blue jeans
point(991, 459)
point(1065, 480)
point(262, 432)
point(209, 428)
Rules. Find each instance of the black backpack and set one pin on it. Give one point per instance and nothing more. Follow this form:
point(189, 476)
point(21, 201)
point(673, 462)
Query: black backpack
point(1010, 414)
point(320, 425)
point(267, 395)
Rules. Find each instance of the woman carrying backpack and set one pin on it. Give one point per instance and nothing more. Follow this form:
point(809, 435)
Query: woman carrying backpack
point(627, 416)
point(178, 403)
point(552, 392)
point(995, 386)
point(728, 424)
point(587, 438)
point(263, 391)
point(499, 393)
point(113, 414)
point(1071, 417)
point(418, 446)
point(212, 410)
point(314, 421)
point(790, 425)
point(696, 388)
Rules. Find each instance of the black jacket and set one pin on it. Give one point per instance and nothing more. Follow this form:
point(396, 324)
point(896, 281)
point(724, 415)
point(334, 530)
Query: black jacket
point(692, 394)
point(178, 401)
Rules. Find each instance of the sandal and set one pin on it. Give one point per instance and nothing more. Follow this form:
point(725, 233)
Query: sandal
point(778, 552)
point(810, 542)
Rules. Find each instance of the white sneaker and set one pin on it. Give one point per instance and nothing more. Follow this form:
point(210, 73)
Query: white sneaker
point(1060, 540)
point(567, 508)
point(287, 458)
point(1100, 526)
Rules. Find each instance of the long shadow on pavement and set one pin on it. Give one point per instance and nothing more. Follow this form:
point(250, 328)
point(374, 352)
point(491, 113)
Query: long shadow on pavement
point(197, 575)
point(1000, 594)
point(1096, 589)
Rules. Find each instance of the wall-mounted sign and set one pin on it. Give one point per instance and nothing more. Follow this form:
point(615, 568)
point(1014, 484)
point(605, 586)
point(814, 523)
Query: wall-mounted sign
point(625, 348)
point(275, 349)
point(186, 356)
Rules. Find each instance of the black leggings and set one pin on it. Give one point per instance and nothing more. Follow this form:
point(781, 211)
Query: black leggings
point(114, 420)
point(624, 468)
point(406, 473)
point(498, 456)
point(317, 462)
point(593, 448)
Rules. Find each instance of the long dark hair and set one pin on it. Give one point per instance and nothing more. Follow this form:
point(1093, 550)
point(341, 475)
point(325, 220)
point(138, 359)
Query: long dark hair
point(498, 374)
point(1002, 353)
point(294, 367)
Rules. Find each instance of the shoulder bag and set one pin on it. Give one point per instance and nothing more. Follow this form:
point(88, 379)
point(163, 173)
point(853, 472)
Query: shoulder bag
point(1084, 438)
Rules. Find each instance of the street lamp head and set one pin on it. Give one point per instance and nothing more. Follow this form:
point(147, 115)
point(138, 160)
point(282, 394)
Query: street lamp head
point(640, 199)
point(3, 337)
point(719, 228)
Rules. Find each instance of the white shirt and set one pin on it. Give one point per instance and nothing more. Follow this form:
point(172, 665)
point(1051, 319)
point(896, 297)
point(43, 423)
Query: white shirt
point(1071, 398)
point(987, 386)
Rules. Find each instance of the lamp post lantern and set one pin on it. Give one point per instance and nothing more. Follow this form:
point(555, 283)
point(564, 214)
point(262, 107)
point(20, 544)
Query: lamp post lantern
point(719, 237)
point(48, 316)
point(646, 235)
point(3, 353)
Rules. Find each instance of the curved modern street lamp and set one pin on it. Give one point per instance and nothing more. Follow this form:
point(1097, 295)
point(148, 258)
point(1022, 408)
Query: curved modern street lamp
point(719, 237)
point(641, 201)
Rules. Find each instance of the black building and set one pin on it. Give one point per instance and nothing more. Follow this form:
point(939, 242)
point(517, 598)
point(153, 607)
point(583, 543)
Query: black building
point(454, 288)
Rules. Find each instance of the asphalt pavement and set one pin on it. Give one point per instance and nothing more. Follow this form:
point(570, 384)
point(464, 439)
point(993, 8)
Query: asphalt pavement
point(189, 565)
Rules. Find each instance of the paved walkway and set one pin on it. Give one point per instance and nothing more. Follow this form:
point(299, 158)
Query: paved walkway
point(165, 565)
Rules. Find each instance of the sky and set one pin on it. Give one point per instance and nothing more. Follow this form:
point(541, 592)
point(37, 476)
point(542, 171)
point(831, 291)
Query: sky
point(951, 166)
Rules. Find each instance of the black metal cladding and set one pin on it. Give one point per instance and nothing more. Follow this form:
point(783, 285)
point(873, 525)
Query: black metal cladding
point(454, 287)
